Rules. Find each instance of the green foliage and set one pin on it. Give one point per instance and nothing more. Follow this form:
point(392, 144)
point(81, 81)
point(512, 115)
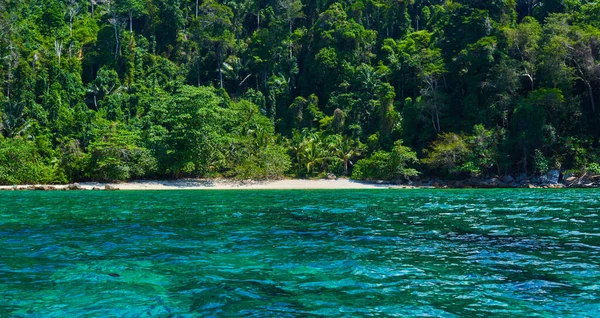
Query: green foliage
point(484, 148)
point(383, 165)
point(75, 163)
point(309, 153)
point(117, 155)
point(593, 168)
point(540, 162)
point(271, 163)
point(232, 88)
point(344, 150)
point(22, 162)
point(448, 153)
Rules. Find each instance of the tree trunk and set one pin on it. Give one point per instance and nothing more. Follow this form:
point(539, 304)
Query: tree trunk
point(291, 54)
point(591, 92)
point(58, 49)
point(220, 67)
point(130, 21)
point(198, 71)
point(92, 3)
point(117, 39)
point(8, 84)
point(417, 19)
point(346, 167)
point(196, 8)
point(530, 77)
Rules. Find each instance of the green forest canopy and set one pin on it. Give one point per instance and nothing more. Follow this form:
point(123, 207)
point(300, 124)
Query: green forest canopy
point(382, 89)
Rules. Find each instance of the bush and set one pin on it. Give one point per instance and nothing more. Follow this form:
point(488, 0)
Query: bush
point(271, 163)
point(384, 165)
point(540, 162)
point(593, 168)
point(375, 167)
point(74, 162)
point(22, 163)
point(448, 152)
point(118, 157)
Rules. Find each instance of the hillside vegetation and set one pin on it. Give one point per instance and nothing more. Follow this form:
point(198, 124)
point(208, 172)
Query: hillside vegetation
point(375, 89)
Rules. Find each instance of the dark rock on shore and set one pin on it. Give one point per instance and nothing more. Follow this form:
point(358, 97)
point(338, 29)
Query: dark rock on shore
point(44, 188)
point(74, 186)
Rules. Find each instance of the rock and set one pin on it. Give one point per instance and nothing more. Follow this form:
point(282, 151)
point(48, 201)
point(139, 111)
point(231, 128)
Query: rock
point(594, 178)
point(248, 182)
point(568, 176)
point(331, 176)
point(74, 186)
point(508, 179)
point(439, 183)
point(96, 188)
point(110, 187)
point(569, 180)
point(553, 176)
point(44, 188)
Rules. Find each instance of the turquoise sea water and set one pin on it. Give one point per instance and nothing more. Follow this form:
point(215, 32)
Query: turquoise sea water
point(452, 253)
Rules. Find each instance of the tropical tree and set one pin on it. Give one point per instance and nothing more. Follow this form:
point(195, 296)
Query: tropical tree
point(344, 149)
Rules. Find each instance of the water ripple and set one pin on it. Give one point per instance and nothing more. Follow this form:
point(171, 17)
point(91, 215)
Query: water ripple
point(428, 253)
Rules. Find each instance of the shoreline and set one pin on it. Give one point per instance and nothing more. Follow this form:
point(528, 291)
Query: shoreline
point(285, 184)
point(210, 184)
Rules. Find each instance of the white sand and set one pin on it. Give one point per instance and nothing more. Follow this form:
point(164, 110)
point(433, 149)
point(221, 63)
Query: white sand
point(197, 184)
point(225, 184)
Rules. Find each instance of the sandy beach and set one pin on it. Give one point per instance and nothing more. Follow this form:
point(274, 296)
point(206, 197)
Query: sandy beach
point(194, 184)
point(217, 184)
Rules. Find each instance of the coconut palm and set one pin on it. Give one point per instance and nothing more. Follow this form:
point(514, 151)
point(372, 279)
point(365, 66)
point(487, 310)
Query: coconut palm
point(344, 149)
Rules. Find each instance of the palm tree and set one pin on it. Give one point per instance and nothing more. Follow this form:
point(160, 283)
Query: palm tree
point(344, 149)
point(313, 152)
point(13, 122)
point(233, 69)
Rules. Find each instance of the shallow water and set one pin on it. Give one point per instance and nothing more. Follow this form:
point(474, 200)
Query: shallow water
point(452, 253)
